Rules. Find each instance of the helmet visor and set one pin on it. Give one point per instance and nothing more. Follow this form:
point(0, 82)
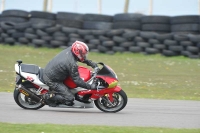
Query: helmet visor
point(84, 54)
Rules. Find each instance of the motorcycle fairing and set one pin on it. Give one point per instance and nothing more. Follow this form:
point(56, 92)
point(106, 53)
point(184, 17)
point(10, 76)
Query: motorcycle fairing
point(112, 82)
point(84, 73)
point(108, 75)
point(96, 94)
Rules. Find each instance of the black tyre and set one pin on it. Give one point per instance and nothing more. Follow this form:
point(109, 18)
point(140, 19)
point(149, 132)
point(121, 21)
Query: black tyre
point(70, 23)
point(69, 30)
point(162, 37)
point(97, 25)
point(118, 49)
point(38, 42)
point(186, 43)
point(58, 33)
point(43, 21)
point(13, 19)
point(156, 27)
point(45, 15)
point(25, 102)
point(88, 37)
point(22, 26)
point(139, 39)
point(143, 44)
point(194, 38)
point(11, 31)
point(103, 38)
point(148, 35)
point(61, 38)
point(193, 49)
point(169, 53)
point(176, 48)
point(99, 32)
point(151, 50)
point(117, 32)
point(74, 35)
point(83, 32)
point(119, 39)
point(185, 19)
point(103, 49)
point(95, 41)
point(23, 40)
point(41, 26)
point(97, 17)
point(30, 36)
point(47, 38)
point(131, 34)
point(53, 29)
point(30, 30)
point(41, 33)
point(15, 13)
point(185, 28)
point(181, 37)
point(153, 41)
point(7, 25)
point(127, 25)
point(119, 102)
point(9, 40)
point(17, 34)
point(155, 19)
point(55, 43)
point(159, 46)
point(170, 42)
point(135, 49)
point(127, 44)
point(69, 16)
point(127, 17)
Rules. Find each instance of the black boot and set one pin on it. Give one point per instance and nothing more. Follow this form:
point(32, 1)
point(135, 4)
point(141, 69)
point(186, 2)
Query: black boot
point(49, 99)
point(48, 96)
point(69, 103)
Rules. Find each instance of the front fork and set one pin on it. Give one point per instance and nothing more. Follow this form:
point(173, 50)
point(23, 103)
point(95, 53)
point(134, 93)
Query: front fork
point(109, 96)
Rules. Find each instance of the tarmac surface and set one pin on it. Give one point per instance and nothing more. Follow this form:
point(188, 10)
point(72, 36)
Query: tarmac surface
point(138, 112)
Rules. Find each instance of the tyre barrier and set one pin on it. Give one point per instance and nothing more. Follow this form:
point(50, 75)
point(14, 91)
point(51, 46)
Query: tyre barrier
point(131, 32)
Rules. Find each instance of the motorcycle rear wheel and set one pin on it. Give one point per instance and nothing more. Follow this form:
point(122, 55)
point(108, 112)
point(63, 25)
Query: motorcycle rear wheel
point(119, 102)
point(25, 102)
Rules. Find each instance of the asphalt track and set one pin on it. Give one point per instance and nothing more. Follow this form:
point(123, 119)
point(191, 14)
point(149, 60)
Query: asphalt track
point(138, 112)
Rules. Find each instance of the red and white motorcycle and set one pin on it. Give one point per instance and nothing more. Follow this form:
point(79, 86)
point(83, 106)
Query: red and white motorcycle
point(108, 96)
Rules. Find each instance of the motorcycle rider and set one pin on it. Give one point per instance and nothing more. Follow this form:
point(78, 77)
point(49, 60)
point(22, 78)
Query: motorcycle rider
point(62, 66)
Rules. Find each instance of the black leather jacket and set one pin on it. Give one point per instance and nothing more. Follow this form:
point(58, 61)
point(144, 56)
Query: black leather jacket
point(63, 65)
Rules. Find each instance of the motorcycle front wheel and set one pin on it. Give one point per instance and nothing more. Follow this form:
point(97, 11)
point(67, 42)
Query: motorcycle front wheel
point(119, 102)
point(24, 101)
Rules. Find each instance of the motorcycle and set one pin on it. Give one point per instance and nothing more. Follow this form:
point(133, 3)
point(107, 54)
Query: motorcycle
point(107, 97)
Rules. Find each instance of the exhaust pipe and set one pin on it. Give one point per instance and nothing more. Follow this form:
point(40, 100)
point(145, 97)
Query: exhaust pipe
point(28, 93)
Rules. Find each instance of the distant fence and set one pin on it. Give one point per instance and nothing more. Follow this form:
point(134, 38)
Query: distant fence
point(136, 33)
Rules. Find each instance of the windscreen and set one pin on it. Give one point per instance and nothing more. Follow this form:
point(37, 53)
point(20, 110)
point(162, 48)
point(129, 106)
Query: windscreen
point(105, 71)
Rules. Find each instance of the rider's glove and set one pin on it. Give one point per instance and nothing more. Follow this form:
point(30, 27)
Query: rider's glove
point(93, 86)
point(90, 63)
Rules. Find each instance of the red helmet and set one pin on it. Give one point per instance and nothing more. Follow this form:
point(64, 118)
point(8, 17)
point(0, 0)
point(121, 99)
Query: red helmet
point(80, 49)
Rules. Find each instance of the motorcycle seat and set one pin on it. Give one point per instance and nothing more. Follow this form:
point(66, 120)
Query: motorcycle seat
point(29, 68)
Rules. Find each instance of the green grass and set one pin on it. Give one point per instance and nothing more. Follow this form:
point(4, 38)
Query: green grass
point(50, 128)
point(141, 76)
